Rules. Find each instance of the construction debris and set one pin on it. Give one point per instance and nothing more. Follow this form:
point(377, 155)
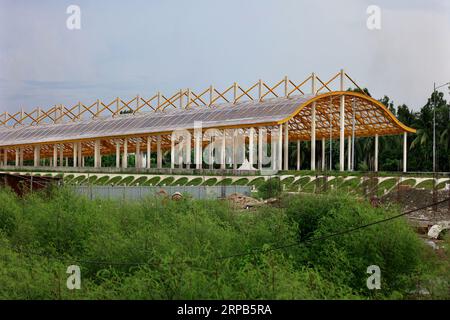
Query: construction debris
point(243, 202)
point(436, 229)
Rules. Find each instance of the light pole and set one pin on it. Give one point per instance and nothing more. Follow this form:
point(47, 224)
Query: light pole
point(434, 121)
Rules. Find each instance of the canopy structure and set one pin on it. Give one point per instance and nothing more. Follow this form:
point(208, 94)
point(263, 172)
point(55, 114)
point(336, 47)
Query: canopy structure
point(291, 114)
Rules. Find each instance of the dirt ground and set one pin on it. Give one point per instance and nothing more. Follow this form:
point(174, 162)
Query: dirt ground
point(411, 198)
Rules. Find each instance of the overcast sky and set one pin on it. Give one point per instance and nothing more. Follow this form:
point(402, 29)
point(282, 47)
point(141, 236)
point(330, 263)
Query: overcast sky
point(131, 47)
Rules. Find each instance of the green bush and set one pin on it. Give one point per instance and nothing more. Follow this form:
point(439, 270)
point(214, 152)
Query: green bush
point(114, 180)
point(125, 181)
point(194, 182)
point(102, 180)
point(139, 181)
point(166, 182)
point(225, 182)
point(270, 189)
point(210, 182)
point(180, 182)
point(92, 179)
point(78, 180)
point(240, 182)
point(256, 182)
point(152, 181)
point(426, 184)
point(155, 248)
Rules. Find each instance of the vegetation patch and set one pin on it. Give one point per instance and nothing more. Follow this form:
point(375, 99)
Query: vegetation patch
point(225, 182)
point(240, 182)
point(180, 182)
point(152, 181)
point(166, 182)
point(63, 224)
point(210, 182)
point(126, 181)
point(194, 182)
point(114, 180)
point(426, 184)
point(139, 181)
point(78, 180)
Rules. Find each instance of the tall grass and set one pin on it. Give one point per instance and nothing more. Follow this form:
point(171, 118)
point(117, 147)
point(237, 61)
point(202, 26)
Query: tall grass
point(191, 249)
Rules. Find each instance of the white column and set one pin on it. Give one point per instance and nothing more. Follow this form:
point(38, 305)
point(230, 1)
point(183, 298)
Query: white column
point(198, 148)
point(117, 154)
point(280, 148)
point(260, 148)
point(251, 146)
point(376, 153)
point(149, 152)
point(211, 152)
point(405, 151)
point(349, 153)
point(37, 151)
point(96, 153)
point(172, 152)
point(342, 127)
point(137, 155)
point(80, 154)
point(61, 155)
point(274, 148)
point(223, 148)
point(158, 152)
point(55, 155)
point(298, 154)
point(16, 163)
point(5, 158)
point(286, 146)
point(235, 146)
point(323, 153)
point(75, 154)
point(21, 157)
point(125, 154)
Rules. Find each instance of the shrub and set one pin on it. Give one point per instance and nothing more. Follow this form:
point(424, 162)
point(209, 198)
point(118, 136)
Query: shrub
point(152, 181)
point(194, 182)
point(139, 181)
point(270, 188)
point(102, 180)
point(166, 182)
point(180, 182)
point(240, 182)
point(114, 180)
point(210, 182)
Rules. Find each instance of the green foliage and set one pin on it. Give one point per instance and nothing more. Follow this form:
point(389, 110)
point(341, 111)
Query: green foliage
point(180, 182)
point(256, 182)
point(225, 182)
point(426, 184)
point(240, 182)
point(270, 189)
point(102, 180)
point(152, 181)
point(210, 182)
point(139, 181)
point(149, 249)
point(78, 180)
point(166, 182)
point(114, 180)
point(126, 181)
point(194, 182)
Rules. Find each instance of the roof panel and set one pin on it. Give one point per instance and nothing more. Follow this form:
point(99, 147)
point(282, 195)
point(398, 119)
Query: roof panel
point(227, 114)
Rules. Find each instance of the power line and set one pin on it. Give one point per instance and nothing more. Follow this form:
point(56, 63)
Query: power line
point(334, 234)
